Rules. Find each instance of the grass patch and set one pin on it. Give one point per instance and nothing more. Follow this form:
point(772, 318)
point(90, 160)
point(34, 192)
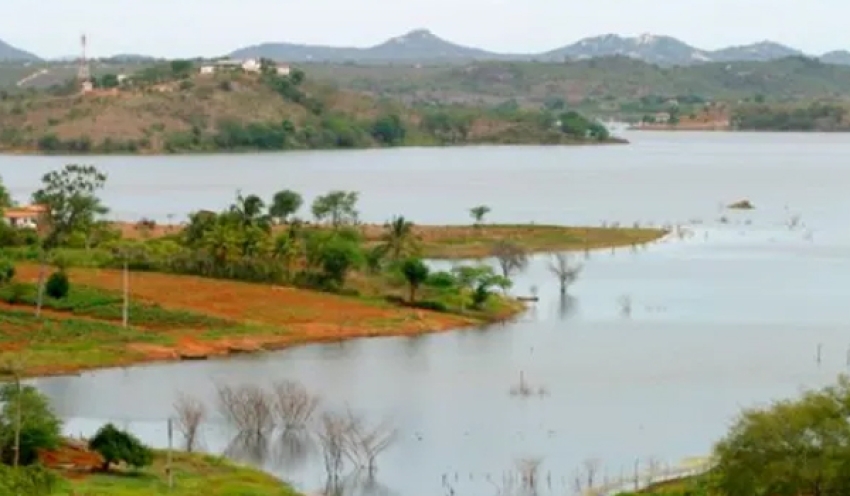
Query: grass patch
point(100, 304)
point(193, 475)
point(51, 344)
point(458, 242)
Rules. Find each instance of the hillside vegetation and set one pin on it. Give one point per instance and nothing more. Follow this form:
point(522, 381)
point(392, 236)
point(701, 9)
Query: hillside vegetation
point(171, 108)
point(611, 84)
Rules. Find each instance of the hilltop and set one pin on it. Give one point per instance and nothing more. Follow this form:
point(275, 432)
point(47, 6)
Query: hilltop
point(173, 108)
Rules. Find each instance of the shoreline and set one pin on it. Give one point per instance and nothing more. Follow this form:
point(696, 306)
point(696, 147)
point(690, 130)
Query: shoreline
point(35, 152)
point(321, 317)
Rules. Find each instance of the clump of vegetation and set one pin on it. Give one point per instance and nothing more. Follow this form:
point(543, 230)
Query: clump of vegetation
point(27, 424)
point(58, 285)
point(741, 205)
point(118, 446)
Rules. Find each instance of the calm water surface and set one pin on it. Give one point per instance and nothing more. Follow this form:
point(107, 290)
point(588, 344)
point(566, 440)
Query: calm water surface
point(731, 316)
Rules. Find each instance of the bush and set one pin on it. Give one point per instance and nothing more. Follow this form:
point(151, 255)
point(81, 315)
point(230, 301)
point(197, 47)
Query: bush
point(40, 428)
point(116, 446)
point(58, 285)
point(16, 293)
point(32, 481)
point(7, 271)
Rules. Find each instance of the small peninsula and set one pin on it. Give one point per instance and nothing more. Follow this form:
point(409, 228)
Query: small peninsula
point(230, 106)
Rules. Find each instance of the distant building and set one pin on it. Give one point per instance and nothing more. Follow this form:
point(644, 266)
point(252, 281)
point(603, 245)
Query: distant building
point(208, 69)
point(26, 217)
point(662, 118)
point(283, 69)
point(251, 65)
point(87, 87)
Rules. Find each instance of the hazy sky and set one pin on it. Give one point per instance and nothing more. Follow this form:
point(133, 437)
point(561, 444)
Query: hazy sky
point(176, 28)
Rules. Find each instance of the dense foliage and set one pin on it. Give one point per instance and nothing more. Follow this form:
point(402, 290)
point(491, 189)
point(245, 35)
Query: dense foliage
point(117, 446)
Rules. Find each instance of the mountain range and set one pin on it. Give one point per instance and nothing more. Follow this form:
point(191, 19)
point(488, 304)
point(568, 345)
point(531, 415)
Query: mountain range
point(423, 46)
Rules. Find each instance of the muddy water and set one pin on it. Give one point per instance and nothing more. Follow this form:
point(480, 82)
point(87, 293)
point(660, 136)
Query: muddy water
point(731, 316)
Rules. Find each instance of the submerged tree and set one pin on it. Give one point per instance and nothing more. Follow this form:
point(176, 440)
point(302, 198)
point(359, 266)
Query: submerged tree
point(511, 256)
point(566, 273)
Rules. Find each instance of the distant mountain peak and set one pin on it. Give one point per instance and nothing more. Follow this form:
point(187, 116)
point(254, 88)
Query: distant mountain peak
point(421, 45)
point(416, 36)
point(647, 39)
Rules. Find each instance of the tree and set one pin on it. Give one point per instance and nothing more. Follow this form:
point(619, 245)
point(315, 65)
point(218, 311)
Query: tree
point(790, 448)
point(337, 206)
point(574, 124)
point(511, 257)
point(415, 272)
point(337, 257)
point(284, 204)
point(566, 273)
point(115, 446)
point(399, 238)
point(250, 211)
point(479, 280)
point(478, 213)
point(108, 81)
point(389, 130)
point(27, 424)
point(297, 76)
point(72, 205)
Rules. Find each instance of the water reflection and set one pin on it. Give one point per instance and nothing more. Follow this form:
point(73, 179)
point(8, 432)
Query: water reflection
point(567, 306)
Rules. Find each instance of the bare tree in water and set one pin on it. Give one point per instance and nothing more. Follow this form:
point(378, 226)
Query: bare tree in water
point(566, 272)
point(190, 414)
point(512, 257)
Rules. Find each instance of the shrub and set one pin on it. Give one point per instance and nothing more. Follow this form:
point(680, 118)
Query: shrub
point(16, 293)
point(58, 285)
point(40, 428)
point(7, 271)
point(32, 481)
point(116, 446)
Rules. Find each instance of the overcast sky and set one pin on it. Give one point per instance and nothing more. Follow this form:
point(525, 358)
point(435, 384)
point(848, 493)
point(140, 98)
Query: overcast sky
point(180, 28)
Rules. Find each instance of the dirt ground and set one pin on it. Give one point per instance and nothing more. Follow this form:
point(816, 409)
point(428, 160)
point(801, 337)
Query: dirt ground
point(279, 317)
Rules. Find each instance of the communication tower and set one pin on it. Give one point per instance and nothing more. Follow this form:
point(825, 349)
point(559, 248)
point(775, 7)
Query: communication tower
point(83, 72)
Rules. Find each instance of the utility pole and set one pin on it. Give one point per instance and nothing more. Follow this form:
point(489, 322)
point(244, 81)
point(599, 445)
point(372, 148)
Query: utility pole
point(168, 468)
point(125, 311)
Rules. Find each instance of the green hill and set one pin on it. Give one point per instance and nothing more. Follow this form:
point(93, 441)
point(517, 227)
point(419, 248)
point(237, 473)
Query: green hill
point(612, 79)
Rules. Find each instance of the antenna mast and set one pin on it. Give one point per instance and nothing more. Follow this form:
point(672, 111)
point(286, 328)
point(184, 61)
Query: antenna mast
point(83, 72)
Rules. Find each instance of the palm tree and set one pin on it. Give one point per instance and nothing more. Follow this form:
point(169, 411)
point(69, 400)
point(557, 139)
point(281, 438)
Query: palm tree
point(399, 239)
point(250, 210)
